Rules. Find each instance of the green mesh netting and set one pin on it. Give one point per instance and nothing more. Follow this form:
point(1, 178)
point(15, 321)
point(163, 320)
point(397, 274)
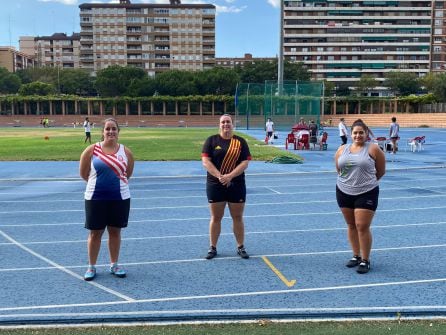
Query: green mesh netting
point(285, 104)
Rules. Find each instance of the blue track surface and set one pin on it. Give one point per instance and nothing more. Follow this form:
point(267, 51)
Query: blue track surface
point(292, 223)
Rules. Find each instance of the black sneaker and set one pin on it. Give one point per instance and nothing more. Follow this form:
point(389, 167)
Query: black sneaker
point(353, 262)
point(212, 252)
point(363, 267)
point(242, 252)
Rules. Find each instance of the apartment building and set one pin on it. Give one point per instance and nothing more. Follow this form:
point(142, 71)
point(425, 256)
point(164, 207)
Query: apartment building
point(438, 49)
point(342, 40)
point(154, 37)
point(232, 62)
point(14, 60)
point(57, 50)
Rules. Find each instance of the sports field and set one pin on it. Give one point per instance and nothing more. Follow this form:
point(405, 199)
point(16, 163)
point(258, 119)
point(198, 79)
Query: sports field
point(295, 234)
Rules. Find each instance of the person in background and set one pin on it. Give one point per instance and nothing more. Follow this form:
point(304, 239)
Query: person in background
point(360, 166)
point(394, 135)
point(45, 122)
point(299, 136)
point(343, 131)
point(225, 157)
point(313, 133)
point(106, 167)
point(87, 128)
point(269, 127)
point(302, 123)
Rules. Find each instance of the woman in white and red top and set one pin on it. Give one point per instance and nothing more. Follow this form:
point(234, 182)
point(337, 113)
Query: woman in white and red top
point(106, 167)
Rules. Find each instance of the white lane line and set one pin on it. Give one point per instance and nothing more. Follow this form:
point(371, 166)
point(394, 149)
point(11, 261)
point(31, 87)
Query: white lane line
point(273, 190)
point(228, 218)
point(231, 295)
point(266, 232)
point(219, 259)
point(200, 190)
point(262, 204)
point(61, 268)
point(309, 191)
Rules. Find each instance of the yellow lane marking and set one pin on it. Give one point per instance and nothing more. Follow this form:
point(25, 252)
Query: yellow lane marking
point(289, 283)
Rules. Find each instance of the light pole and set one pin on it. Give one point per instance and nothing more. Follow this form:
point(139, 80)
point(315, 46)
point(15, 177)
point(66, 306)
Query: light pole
point(280, 60)
point(58, 77)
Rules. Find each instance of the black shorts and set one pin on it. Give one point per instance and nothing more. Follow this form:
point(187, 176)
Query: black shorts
point(367, 200)
point(236, 192)
point(269, 134)
point(87, 134)
point(102, 213)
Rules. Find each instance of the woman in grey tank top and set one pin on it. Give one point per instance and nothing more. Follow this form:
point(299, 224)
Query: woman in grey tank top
point(360, 165)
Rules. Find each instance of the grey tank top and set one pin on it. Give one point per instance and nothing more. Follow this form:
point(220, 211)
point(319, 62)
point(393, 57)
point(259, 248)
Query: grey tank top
point(357, 171)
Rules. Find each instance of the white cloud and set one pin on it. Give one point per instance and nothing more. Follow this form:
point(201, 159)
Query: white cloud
point(65, 2)
point(274, 3)
point(219, 8)
point(228, 9)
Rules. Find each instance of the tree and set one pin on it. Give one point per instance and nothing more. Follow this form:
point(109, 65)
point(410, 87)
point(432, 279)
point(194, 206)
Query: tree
point(329, 88)
point(342, 90)
point(257, 72)
point(75, 81)
point(260, 71)
point(219, 81)
point(144, 87)
point(436, 84)
point(115, 80)
point(37, 88)
point(9, 82)
point(46, 74)
point(366, 83)
point(404, 83)
point(175, 83)
point(296, 71)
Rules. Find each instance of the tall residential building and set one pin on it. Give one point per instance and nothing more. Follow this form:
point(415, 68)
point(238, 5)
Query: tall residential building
point(438, 50)
point(342, 40)
point(57, 50)
point(233, 62)
point(27, 45)
point(154, 37)
point(14, 60)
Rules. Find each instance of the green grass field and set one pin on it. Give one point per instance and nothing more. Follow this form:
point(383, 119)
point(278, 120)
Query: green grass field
point(147, 144)
point(261, 327)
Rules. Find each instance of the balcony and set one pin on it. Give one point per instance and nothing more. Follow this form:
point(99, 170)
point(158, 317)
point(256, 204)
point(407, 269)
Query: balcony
point(134, 31)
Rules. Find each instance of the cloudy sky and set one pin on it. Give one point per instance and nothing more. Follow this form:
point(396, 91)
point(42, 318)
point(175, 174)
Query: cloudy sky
point(243, 26)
